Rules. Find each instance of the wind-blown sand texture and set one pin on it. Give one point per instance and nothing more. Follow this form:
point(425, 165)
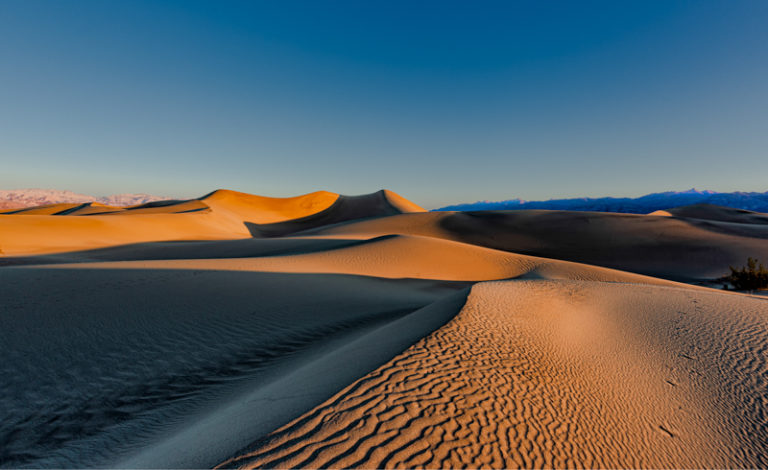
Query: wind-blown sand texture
point(337, 331)
point(565, 374)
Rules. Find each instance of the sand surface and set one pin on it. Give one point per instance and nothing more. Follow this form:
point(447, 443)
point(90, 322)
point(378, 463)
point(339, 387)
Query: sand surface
point(336, 331)
point(223, 214)
point(565, 374)
point(98, 364)
point(679, 248)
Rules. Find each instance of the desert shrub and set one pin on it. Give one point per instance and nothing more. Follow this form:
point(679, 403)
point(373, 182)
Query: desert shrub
point(753, 276)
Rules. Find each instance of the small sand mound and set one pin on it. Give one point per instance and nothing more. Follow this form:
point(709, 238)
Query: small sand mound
point(661, 213)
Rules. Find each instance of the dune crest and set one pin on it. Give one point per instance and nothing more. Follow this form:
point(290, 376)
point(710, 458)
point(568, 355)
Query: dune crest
point(401, 203)
point(718, 213)
point(265, 210)
point(222, 214)
point(335, 331)
point(552, 374)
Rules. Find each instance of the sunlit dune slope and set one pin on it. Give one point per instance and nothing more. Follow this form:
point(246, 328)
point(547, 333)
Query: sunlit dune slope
point(671, 247)
point(400, 256)
point(48, 209)
point(91, 208)
point(165, 207)
point(265, 210)
point(222, 214)
point(345, 208)
point(36, 234)
point(554, 374)
point(328, 331)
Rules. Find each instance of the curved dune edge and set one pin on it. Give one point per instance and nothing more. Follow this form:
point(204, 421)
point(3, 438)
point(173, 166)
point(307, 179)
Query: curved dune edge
point(661, 213)
point(48, 209)
point(668, 247)
point(559, 374)
point(222, 214)
point(226, 430)
point(400, 203)
point(266, 210)
point(400, 256)
point(719, 214)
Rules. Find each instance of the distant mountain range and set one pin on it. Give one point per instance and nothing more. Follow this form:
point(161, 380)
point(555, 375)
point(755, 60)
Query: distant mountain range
point(18, 198)
point(757, 202)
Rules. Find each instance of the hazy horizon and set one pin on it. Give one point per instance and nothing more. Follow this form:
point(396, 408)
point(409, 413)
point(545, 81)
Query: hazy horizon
point(428, 207)
point(441, 102)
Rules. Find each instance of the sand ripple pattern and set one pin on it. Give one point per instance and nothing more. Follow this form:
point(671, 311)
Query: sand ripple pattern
point(91, 373)
point(554, 374)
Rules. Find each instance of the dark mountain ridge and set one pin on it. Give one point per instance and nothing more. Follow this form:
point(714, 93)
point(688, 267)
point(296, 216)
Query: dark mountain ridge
point(752, 201)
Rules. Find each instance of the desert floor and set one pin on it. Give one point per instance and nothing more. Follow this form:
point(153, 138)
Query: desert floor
point(332, 331)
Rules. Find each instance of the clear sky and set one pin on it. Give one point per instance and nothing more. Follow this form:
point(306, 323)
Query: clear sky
point(443, 102)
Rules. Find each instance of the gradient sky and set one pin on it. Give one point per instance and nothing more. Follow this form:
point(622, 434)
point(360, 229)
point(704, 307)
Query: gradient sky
point(442, 102)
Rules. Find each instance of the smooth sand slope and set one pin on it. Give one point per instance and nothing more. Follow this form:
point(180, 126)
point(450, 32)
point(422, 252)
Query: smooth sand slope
point(565, 374)
point(713, 212)
point(681, 248)
point(100, 367)
point(396, 257)
point(222, 214)
point(335, 331)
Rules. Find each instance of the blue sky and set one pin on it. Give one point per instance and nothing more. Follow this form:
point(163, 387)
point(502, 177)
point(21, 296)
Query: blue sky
point(443, 102)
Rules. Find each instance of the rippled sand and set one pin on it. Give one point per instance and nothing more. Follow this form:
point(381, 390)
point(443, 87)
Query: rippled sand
point(336, 331)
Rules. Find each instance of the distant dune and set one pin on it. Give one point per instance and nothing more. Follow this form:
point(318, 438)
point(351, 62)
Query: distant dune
point(331, 331)
point(640, 205)
point(222, 214)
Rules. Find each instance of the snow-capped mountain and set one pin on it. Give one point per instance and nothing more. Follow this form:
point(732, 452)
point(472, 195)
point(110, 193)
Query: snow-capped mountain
point(757, 202)
point(18, 198)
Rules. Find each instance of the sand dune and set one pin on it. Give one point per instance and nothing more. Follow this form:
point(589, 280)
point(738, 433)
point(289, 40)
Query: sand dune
point(220, 215)
point(344, 209)
point(265, 210)
point(712, 212)
point(397, 256)
point(99, 364)
point(336, 331)
point(668, 247)
point(560, 374)
point(39, 234)
point(49, 209)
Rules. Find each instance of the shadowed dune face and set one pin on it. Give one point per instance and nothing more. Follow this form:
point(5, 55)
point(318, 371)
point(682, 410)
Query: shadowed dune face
point(222, 214)
point(668, 247)
point(560, 374)
point(178, 334)
point(345, 208)
point(96, 362)
point(712, 212)
point(397, 257)
point(50, 209)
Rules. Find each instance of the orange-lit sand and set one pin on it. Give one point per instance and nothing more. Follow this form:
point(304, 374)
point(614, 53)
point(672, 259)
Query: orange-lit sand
point(336, 331)
point(222, 214)
point(553, 374)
